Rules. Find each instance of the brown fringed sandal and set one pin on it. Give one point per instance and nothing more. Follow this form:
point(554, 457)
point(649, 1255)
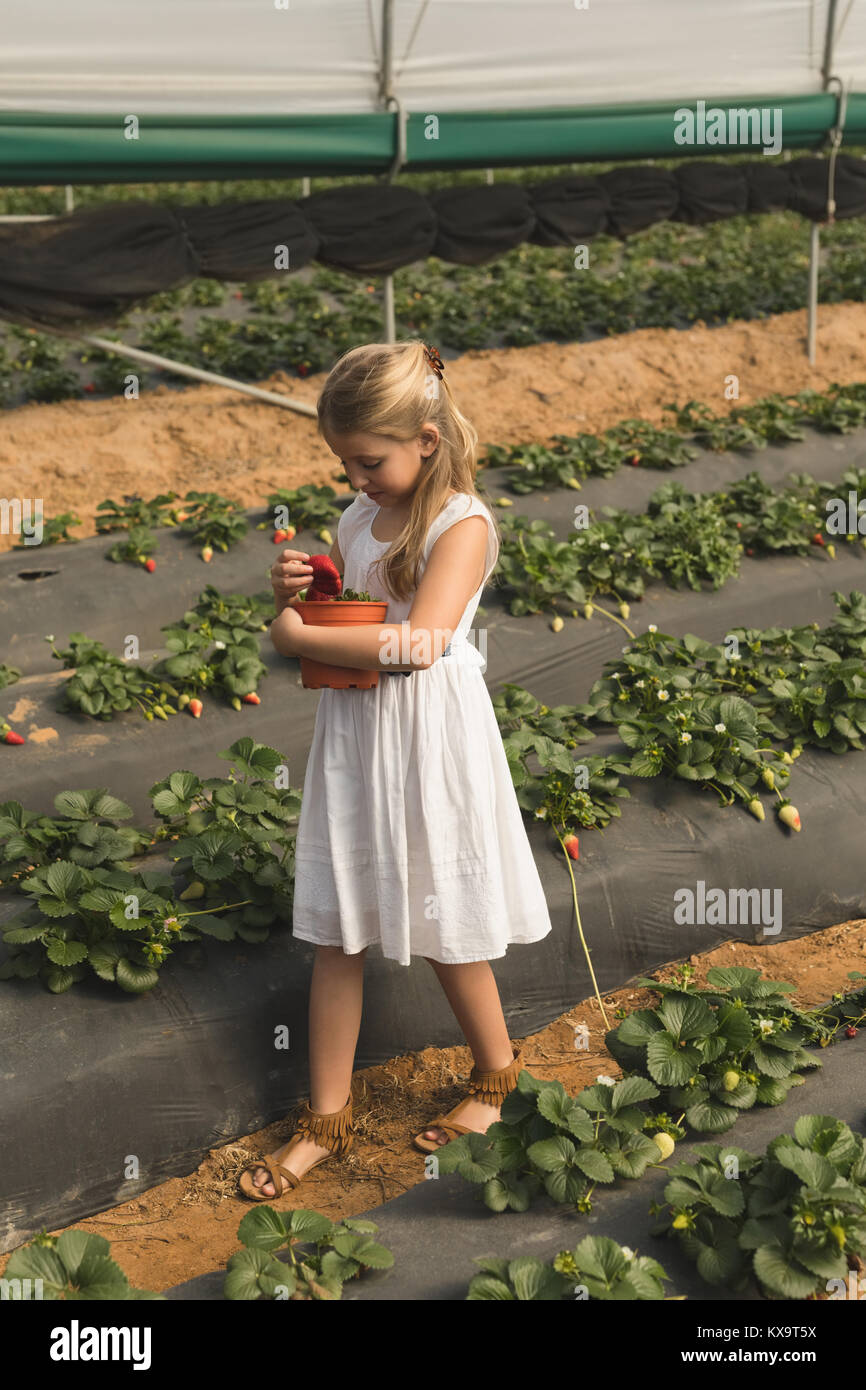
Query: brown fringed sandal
point(335, 1130)
point(491, 1087)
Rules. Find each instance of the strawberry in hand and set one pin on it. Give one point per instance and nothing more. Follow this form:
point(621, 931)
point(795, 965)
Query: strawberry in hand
point(327, 583)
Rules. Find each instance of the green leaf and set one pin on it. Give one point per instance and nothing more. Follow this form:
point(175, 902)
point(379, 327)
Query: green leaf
point(531, 1278)
point(710, 1116)
point(632, 1091)
point(135, 978)
point(668, 1063)
point(601, 1258)
point(809, 1167)
point(65, 952)
point(774, 1270)
point(686, 1017)
point(595, 1164)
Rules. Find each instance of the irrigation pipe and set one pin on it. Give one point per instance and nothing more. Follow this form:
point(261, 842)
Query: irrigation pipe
point(152, 359)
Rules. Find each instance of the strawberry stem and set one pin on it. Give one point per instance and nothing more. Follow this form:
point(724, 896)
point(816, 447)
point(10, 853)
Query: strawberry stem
point(614, 619)
point(580, 926)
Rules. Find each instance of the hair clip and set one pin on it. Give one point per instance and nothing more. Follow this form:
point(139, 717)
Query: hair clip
point(432, 355)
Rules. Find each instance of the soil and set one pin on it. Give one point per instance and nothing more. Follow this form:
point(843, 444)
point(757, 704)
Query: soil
point(215, 439)
point(188, 1225)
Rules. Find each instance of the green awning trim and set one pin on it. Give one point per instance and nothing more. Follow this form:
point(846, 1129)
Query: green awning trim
point(47, 147)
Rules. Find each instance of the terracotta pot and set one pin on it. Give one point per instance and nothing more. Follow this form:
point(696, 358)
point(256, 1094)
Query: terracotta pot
point(315, 674)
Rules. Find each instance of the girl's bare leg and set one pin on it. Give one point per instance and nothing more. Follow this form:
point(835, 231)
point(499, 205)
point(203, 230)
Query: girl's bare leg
point(336, 998)
point(472, 992)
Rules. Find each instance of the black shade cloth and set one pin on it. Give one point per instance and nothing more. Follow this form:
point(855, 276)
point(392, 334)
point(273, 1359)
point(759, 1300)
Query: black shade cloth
point(87, 268)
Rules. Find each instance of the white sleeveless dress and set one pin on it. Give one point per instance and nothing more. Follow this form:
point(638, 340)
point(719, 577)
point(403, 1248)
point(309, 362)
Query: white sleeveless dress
point(410, 836)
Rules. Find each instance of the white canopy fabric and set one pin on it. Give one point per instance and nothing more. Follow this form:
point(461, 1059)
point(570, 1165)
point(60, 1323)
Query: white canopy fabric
point(316, 57)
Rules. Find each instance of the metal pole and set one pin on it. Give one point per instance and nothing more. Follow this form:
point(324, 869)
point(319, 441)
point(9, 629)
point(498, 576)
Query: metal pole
point(386, 78)
point(305, 188)
point(815, 233)
point(489, 173)
point(390, 316)
point(814, 251)
point(152, 359)
point(70, 198)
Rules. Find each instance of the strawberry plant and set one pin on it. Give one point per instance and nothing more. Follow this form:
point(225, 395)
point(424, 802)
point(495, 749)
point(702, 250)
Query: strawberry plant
point(309, 506)
point(85, 831)
point(597, 1267)
point(135, 512)
point(719, 1050)
point(136, 549)
point(54, 530)
point(104, 684)
point(213, 521)
point(73, 1266)
point(795, 1220)
point(8, 675)
point(322, 1255)
point(844, 1012)
point(92, 910)
point(547, 1140)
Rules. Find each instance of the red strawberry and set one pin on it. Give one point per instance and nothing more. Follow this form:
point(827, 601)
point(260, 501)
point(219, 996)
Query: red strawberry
point(150, 565)
point(10, 736)
point(749, 550)
point(315, 595)
point(280, 536)
point(571, 844)
point(817, 539)
point(195, 708)
point(850, 1031)
point(251, 699)
point(326, 576)
point(89, 386)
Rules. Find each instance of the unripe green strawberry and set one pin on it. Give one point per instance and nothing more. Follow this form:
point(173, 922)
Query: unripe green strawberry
point(588, 610)
point(183, 701)
point(767, 778)
point(573, 482)
point(681, 1222)
point(786, 756)
point(831, 551)
point(557, 625)
point(789, 815)
point(756, 807)
point(624, 610)
point(664, 1143)
point(236, 704)
point(504, 502)
point(325, 535)
point(159, 712)
point(731, 1080)
point(194, 891)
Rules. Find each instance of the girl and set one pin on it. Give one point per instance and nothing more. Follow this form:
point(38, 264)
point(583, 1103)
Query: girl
point(410, 835)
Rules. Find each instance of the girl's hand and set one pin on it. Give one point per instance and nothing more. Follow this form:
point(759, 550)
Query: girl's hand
point(290, 573)
point(285, 630)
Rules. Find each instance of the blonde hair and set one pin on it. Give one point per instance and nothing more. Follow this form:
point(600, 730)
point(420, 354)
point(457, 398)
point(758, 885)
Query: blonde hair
point(391, 389)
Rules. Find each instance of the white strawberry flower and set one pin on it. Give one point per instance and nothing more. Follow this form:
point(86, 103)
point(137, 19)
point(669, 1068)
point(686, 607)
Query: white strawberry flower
point(639, 685)
point(735, 656)
point(604, 546)
point(220, 646)
point(652, 628)
point(664, 695)
point(720, 728)
point(685, 738)
point(767, 1027)
point(627, 1252)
